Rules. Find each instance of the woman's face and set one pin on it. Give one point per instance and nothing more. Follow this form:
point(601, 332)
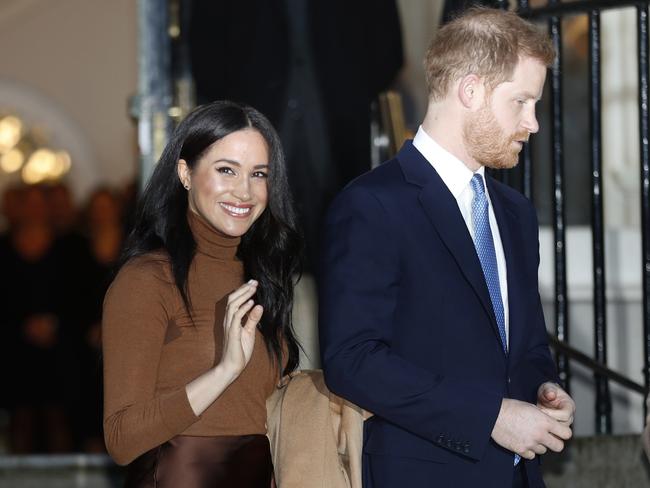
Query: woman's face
point(228, 185)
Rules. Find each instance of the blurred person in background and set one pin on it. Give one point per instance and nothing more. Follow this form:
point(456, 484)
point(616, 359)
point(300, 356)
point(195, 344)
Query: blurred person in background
point(38, 335)
point(62, 209)
point(102, 227)
point(11, 208)
point(11, 203)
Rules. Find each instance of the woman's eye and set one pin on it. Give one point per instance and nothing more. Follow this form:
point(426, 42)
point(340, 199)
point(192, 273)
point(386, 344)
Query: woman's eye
point(261, 174)
point(225, 170)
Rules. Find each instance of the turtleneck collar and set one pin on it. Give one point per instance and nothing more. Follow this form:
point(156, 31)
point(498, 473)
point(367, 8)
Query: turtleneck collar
point(209, 240)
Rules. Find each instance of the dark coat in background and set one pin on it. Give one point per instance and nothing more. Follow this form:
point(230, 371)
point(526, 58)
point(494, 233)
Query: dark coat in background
point(247, 51)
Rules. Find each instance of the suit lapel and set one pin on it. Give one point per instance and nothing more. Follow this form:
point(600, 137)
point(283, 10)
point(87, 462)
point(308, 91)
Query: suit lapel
point(512, 248)
point(442, 210)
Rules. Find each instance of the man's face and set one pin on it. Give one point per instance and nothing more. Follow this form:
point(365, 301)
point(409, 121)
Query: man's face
point(495, 133)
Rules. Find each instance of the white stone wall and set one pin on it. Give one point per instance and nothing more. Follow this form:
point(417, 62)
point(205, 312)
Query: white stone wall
point(71, 65)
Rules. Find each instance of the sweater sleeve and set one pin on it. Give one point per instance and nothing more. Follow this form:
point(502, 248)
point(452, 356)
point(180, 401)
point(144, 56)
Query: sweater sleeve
point(134, 324)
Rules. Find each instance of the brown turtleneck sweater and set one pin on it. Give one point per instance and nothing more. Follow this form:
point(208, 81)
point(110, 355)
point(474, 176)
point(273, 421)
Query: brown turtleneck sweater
point(152, 350)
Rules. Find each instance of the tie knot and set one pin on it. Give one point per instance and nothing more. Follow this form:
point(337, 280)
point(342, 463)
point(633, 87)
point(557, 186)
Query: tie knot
point(477, 185)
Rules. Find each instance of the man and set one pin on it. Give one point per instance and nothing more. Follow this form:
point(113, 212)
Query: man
point(430, 314)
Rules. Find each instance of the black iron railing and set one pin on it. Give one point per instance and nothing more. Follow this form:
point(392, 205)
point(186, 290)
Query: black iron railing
point(595, 366)
point(552, 13)
point(642, 47)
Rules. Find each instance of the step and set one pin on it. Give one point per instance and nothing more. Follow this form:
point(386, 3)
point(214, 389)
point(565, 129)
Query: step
point(613, 461)
point(59, 471)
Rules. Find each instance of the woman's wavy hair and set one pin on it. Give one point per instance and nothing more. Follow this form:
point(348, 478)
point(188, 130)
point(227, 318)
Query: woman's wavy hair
point(270, 250)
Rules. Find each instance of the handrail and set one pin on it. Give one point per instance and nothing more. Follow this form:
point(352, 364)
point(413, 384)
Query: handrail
point(595, 366)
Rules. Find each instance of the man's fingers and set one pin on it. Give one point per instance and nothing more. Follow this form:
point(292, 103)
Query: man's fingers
point(530, 431)
point(530, 455)
point(561, 415)
point(549, 394)
point(553, 443)
point(560, 430)
point(539, 449)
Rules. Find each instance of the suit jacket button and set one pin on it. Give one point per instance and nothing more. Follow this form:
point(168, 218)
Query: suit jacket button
point(440, 439)
point(458, 446)
point(450, 444)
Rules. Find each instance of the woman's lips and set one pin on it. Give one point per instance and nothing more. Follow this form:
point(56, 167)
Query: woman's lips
point(239, 211)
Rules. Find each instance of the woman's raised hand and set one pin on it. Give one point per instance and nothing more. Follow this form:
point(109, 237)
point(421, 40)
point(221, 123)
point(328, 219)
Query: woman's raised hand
point(239, 326)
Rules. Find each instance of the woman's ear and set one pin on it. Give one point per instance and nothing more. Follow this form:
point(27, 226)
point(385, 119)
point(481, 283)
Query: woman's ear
point(183, 171)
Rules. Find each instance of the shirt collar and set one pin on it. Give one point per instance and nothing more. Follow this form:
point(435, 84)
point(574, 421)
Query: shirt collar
point(451, 170)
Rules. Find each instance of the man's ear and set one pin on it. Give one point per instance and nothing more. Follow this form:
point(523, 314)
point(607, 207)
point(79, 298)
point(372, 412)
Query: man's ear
point(183, 171)
point(470, 91)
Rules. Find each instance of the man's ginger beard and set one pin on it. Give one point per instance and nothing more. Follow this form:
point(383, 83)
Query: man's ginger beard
point(487, 143)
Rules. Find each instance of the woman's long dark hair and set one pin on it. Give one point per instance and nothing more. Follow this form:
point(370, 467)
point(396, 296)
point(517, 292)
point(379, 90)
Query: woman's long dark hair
point(270, 250)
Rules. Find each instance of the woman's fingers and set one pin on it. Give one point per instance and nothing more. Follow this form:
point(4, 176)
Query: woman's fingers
point(240, 323)
point(243, 289)
point(254, 317)
point(237, 298)
point(238, 317)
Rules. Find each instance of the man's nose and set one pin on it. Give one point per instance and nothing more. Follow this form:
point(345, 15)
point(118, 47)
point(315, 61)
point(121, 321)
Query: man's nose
point(530, 123)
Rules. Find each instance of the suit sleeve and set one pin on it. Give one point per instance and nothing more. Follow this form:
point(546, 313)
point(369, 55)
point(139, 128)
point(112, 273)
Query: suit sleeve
point(537, 365)
point(134, 324)
point(360, 286)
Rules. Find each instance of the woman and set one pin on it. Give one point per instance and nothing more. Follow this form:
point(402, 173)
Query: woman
point(197, 323)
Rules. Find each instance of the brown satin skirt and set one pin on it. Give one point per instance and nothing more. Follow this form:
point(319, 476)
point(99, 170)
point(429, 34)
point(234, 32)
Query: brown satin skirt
point(204, 462)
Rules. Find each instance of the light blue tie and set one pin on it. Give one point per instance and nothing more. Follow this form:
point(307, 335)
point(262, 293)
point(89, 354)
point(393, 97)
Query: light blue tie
point(484, 244)
point(485, 249)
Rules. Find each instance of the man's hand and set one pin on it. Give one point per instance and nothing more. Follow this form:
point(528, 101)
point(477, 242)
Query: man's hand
point(526, 430)
point(555, 402)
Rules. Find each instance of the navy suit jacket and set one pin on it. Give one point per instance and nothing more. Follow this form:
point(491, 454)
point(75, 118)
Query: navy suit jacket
point(408, 332)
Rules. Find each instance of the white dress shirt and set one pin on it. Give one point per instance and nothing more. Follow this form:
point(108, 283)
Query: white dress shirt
point(457, 177)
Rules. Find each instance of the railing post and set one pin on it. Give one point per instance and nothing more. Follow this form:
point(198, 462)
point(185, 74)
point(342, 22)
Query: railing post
point(154, 98)
point(557, 142)
point(525, 158)
point(642, 40)
point(603, 398)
